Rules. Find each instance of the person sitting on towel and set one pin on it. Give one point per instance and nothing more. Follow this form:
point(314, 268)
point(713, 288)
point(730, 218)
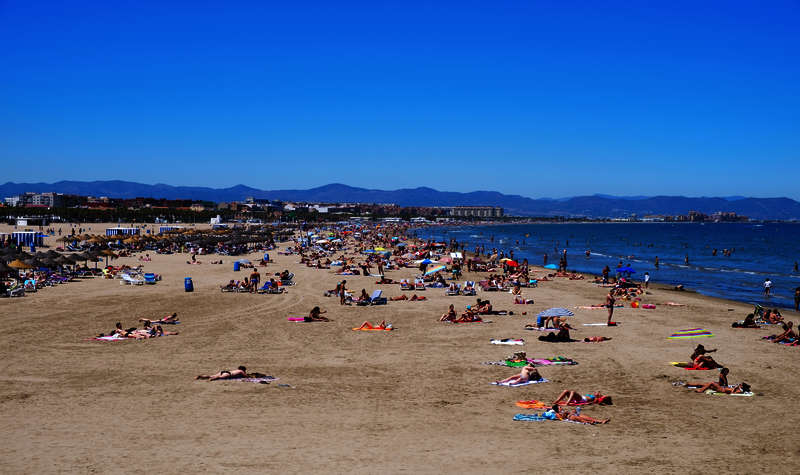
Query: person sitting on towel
point(555, 413)
point(749, 322)
point(528, 373)
point(788, 334)
point(574, 397)
point(238, 373)
point(450, 316)
point(702, 360)
point(738, 389)
point(468, 316)
point(315, 315)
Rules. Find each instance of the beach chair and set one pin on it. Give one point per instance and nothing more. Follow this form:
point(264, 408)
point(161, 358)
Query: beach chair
point(469, 288)
point(288, 281)
point(419, 284)
point(127, 279)
point(377, 298)
point(454, 289)
point(533, 283)
point(16, 291)
point(404, 285)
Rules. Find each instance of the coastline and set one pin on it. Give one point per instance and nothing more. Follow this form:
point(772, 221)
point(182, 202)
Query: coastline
point(416, 398)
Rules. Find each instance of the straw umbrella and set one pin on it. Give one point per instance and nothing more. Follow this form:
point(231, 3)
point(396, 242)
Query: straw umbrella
point(18, 264)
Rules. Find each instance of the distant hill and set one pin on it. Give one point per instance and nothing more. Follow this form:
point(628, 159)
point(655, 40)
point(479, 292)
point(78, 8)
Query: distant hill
point(589, 206)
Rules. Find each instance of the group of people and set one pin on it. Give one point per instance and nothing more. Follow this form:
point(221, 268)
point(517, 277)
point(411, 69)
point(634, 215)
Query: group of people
point(150, 329)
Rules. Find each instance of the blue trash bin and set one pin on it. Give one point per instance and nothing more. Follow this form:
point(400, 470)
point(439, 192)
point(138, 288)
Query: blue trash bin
point(236, 266)
point(188, 284)
point(266, 257)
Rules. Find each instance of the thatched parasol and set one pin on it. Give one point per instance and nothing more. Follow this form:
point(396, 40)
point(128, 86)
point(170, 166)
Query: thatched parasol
point(18, 264)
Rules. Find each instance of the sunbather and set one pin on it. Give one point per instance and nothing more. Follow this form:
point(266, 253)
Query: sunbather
point(450, 316)
point(573, 397)
point(560, 337)
point(315, 315)
point(381, 326)
point(723, 379)
point(788, 334)
point(238, 373)
point(528, 373)
point(555, 413)
point(702, 360)
point(398, 298)
point(596, 339)
point(738, 389)
point(748, 322)
point(168, 319)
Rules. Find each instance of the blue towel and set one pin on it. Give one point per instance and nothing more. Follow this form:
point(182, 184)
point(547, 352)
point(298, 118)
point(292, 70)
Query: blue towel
point(529, 417)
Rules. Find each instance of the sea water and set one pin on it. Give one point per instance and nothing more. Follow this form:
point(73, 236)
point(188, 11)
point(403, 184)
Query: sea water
point(759, 251)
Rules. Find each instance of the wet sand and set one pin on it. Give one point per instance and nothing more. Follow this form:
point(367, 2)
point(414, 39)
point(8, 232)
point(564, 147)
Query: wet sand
point(416, 399)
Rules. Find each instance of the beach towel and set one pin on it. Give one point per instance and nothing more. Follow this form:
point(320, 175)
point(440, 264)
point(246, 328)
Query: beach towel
point(296, 319)
point(687, 365)
point(535, 404)
point(596, 307)
point(372, 329)
point(716, 393)
point(557, 361)
point(111, 338)
point(261, 380)
point(690, 333)
point(542, 329)
point(529, 417)
point(515, 385)
point(507, 341)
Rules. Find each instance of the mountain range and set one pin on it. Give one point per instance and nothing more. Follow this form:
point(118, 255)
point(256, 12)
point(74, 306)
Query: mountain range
point(515, 205)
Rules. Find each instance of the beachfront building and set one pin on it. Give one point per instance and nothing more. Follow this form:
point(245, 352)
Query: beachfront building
point(36, 200)
point(474, 211)
point(120, 231)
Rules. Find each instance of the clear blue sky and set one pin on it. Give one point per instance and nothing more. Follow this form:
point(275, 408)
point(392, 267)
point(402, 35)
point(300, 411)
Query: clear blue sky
point(534, 98)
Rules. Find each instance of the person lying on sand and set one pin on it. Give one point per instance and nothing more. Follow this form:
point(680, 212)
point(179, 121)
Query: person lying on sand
point(738, 389)
point(560, 337)
point(315, 315)
point(468, 316)
point(168, 319)
point(596, 339)
point(381, 326)
point(748, 322)
point(723, 379)
point(528, 373)
point(238, 373)
point(555, 413)
point(574, 397)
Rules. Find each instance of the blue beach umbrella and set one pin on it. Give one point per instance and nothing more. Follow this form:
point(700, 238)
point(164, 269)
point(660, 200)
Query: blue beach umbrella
point(626, 269)
point(551, 266)
point(556, 312)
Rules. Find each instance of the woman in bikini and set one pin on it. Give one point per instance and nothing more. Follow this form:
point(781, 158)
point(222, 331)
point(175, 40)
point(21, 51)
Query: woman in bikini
point(238, 373)
point(381, 326)
point(701, 359)
point(450, 315)
point(574, 397)
point(315, 315)
point(168, 319)
point(610, 301)
point(596, 339)
point(723, 379)
point(738, 389)
point(528, 373)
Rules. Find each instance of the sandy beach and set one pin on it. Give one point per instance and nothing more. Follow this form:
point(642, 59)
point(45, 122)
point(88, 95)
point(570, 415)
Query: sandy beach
point(416, 399)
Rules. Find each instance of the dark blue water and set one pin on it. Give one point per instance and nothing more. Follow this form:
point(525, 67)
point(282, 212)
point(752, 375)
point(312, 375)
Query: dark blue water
point(761, 251)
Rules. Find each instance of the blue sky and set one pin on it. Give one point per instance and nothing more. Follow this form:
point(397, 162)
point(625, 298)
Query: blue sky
point(542, 99)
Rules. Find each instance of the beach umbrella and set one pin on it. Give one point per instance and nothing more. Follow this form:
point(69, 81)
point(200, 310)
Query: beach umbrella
point(425, 261)
point(446, 260)
point(435, 269)
point(511, 263)
point(556, 312)
point(18, 264)
point(626, 269)
point(551, 266)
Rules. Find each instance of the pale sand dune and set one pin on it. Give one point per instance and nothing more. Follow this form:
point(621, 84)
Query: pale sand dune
point(416, 399)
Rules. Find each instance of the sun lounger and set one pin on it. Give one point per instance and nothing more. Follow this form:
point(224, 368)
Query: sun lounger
point(469, 288)
point(404, 285)
point(127, 279)
point(377, 298)
point(453, 290)
point(419, 284)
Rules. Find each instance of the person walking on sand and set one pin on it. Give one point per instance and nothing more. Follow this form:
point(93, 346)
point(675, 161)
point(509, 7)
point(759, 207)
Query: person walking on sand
point(767, 287)
point(646, 280)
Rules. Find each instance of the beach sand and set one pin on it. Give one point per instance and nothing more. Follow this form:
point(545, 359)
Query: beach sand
point(416, 399)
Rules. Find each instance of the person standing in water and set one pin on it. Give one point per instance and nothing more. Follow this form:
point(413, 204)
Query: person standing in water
point(656, 262)
point(767, 287)
point(686, 259)
point(796, 270)
point(797, 299)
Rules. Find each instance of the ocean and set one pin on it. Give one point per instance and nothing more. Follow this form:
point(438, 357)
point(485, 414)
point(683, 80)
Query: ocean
point(758, 252)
